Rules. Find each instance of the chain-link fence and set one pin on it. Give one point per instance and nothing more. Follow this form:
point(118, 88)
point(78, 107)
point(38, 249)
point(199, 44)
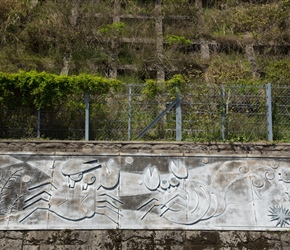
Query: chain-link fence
point(209, 113)
point(281, 112)
point(245, 113)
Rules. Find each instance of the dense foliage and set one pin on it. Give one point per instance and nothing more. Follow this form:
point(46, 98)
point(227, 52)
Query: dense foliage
point(42, 90)
point(204, 40)
point(192, 47)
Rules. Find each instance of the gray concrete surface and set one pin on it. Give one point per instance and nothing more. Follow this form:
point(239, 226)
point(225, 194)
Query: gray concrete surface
point(123, 195)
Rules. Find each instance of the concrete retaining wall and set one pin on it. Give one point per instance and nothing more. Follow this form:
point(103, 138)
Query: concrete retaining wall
point(140, 195)
point(143, 239)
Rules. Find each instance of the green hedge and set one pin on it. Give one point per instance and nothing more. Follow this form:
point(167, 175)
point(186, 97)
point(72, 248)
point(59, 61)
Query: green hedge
point(42, 90)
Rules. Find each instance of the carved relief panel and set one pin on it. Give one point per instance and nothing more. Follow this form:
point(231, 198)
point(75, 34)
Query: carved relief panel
point(143, 192)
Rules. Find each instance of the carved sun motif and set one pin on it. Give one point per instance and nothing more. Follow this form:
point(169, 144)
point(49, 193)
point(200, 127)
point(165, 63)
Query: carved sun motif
point(280, 214)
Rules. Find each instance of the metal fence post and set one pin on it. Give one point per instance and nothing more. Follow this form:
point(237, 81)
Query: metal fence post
point(129, 111)
point(38, 123)
point(223, 113)
point(269, 111)
point(87, 117)
point(178, 118)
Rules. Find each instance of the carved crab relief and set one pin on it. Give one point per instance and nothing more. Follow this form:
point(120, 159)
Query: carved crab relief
point(75, 191)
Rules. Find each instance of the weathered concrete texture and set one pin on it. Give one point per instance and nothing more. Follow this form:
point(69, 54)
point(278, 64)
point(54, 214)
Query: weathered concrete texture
point(118, 239)
point(165, 148)
point(143, 239)
point(146, 192)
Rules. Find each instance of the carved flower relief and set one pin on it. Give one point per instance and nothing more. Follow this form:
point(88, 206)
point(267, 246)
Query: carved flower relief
point(151, 178)
point(178, 169)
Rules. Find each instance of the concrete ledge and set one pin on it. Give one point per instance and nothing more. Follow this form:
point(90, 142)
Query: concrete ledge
point(158, 148)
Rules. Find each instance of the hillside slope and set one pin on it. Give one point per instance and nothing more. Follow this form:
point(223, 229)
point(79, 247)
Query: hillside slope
point(214, 41)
